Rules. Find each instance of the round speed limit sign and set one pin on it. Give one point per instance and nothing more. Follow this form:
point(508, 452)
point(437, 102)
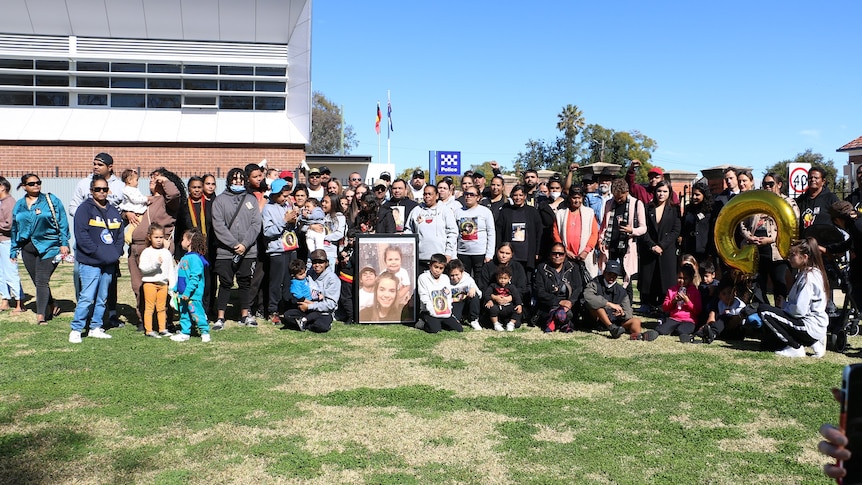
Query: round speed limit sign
point(798, 179)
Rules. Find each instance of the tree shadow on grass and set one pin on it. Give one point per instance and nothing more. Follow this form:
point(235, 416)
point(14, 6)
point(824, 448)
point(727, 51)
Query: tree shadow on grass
point(40, 456)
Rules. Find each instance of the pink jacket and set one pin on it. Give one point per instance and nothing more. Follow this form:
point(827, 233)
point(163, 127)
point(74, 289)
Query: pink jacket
point(689, 311)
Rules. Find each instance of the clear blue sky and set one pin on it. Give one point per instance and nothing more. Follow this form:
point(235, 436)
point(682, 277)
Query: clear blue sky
point(748, 83)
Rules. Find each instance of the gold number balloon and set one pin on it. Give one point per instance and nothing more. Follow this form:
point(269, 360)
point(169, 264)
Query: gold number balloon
point(746, 205)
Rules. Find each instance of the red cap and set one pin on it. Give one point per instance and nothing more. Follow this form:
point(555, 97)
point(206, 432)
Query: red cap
point(656, 170)
point(286, 174)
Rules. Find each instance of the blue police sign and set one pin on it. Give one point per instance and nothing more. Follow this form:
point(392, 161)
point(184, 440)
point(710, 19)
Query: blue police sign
point(449, 163)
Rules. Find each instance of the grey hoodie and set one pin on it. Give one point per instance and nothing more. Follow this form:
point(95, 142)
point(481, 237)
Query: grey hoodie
point(245, 228)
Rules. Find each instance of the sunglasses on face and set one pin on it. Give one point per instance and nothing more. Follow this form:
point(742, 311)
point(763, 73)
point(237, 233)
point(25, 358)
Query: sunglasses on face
point(318, 261)
point(33, 184)
point(557, 253)
point(100, 189)
point(355, 180)
point(769, 185)
point(469, 194)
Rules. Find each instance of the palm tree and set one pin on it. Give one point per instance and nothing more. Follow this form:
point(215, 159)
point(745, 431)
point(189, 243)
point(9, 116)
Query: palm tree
point(571, 122)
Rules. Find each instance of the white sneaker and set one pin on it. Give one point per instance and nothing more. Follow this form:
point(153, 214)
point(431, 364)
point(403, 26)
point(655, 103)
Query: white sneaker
point(819, 348)
point(498, 327)
point(791, 352)
point(98, 333)
point(205, 338)
point(74, 337)
point(475, 325)
point(510, 327)
point(153, 335)
point(180, 337)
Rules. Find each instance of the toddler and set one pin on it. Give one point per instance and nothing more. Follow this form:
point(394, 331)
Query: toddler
point(158, 275)
point(299, 287)
point(133, 200)
point(312, 214)
point(502, 288)
point(190, 286)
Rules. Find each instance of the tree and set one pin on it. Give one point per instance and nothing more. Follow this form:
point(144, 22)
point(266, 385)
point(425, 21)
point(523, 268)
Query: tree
point(538, 155)
point(570, 121)
point(609, 146)
point(815, 159)
point(326, 121)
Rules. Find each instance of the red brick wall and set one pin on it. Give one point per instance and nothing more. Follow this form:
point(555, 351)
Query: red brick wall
point(76, 160)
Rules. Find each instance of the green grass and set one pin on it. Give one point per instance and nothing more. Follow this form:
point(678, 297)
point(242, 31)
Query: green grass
point(388, 404)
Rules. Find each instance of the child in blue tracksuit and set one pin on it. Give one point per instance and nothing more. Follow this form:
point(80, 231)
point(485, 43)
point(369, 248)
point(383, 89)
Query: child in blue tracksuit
point(190, 287)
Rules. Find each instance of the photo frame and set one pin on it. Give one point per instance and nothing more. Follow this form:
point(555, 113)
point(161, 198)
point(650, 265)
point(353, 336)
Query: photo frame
point(384, 283)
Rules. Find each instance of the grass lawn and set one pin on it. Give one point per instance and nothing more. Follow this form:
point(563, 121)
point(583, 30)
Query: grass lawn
point(392, 405)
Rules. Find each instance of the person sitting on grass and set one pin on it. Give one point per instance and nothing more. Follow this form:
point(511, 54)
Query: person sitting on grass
point(802, 320)
point(190, 286)
point(682, 304)
point(608, 302)
point(503, 312)
point(723, 313)
point(316, 315)
point(435, 298)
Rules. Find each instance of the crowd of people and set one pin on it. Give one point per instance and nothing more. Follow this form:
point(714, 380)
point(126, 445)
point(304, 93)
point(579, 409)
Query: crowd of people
point(557, 255)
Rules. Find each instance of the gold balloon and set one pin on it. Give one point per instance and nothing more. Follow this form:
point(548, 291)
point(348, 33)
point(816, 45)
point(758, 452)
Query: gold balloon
point(746, 205)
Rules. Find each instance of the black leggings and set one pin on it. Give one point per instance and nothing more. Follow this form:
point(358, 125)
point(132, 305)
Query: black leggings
point(669, 326)
point(434, 324)
point(317, 322)
point(40, 271)
point(226, 270)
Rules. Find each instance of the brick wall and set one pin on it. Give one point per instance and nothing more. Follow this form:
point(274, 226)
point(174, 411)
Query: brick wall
point(67, 160)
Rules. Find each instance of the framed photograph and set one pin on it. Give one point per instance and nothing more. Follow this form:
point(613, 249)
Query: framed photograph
point(384, 284)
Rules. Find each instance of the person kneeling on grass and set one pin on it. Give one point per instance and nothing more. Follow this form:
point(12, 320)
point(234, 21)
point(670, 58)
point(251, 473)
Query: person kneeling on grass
point(435, 298)
point(608, 302)
point(802, 320)
point(190, 286)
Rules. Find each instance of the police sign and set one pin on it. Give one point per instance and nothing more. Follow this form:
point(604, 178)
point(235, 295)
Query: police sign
point(449, 163)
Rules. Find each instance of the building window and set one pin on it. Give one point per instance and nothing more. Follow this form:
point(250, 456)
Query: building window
point(127, 101)
point(92, 100)
point(16, 98)
point(236, 102)
point(157, 85)
point(52, 99)
point(161, 101)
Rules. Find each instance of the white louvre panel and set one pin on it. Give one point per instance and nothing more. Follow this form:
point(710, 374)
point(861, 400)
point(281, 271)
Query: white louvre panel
point(41, 46)
point(212, 52)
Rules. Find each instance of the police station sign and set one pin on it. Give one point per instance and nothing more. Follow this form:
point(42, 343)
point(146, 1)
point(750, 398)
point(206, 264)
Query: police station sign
point(448, 163)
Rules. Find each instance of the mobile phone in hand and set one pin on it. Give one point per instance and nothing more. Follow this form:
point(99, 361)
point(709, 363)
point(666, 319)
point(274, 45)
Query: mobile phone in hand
point(851, 423)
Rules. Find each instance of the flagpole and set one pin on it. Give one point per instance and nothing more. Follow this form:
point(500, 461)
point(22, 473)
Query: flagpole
point(388, 127)
point(378, 132)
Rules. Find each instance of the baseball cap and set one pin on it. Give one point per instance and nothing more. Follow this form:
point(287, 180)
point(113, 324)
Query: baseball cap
point(104, 158)
point(613, 266)
point(325, 170)
point(318, 254)
point(285, 174)
point(478, 173)
point(656, 170)
point(314, 171)
point(386, 176)
point(418, 174)
point(278, 185)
